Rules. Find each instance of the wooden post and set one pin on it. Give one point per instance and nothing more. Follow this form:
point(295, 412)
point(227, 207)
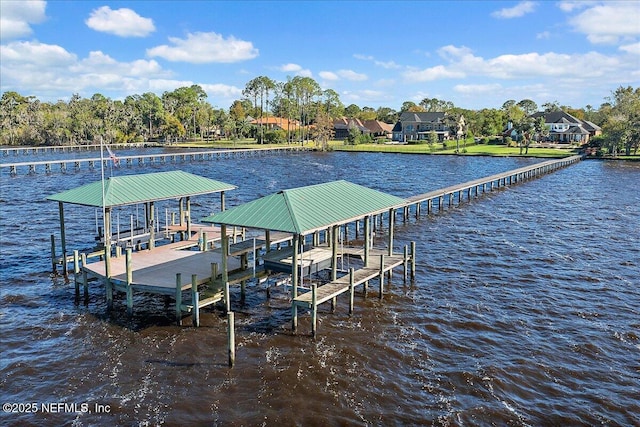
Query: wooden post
point(392, 215)
point(224, 252)
point(267, 240)
point(188, 217)
point(334, 252)
point(367, 239)
point(429, 206)
point(76, 272)
point(195, 300)
point(85, 281)
point(152, 225)
point(214, 272)
point(107, 273)
point(231, 338)
point(294, 283)
point(63, 239)
point(128, 264)
point(53, 254)
point(179, 299)
point(351, 290)
point(405, 263)
point(381, 275)
point(314, 309)
point(222, 207)
point(413, 260)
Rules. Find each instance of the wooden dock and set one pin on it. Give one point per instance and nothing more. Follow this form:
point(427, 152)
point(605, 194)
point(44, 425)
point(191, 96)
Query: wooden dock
point(379, 264)
point(64, 165)
point(449, 195)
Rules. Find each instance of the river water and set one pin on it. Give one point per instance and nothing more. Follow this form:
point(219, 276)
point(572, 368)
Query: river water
point(525, 311)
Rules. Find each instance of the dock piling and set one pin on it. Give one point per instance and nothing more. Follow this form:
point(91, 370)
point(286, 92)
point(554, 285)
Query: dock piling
point(195, 300)
point(179, 299)
point(231, 338)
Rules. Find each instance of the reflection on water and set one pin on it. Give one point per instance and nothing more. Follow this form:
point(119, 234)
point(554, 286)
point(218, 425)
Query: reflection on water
point(524, 311)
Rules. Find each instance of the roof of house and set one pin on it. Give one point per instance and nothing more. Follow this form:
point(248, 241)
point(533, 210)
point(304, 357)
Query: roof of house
point(277, 121)
point(566, 118)
point(304, 210)
point(345, 123)
point(376, 126)
point(427, 117)
point(133, 189)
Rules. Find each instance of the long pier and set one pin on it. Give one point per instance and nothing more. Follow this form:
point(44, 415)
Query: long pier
point(470, 189)
point(27, 151)
point(141, 159)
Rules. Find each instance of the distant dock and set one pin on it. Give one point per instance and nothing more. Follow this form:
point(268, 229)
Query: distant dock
point(64, 165)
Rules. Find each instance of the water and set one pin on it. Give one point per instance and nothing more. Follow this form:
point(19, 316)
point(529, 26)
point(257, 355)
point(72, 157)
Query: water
point(525, 311)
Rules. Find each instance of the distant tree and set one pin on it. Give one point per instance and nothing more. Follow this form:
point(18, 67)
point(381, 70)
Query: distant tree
point(411, 106)
point(550, 107)
point(524, 128)
point(387, 115)
point(323, 130)
point(622, 127)
point(352, 111)
point(528, 106)
point(541, 129)
point(436, 105)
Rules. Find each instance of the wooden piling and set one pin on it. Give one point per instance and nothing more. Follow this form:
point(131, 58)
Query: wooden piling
point(381, 275)
point(231, 338)
point(76, 272)
point(195, 300)
point(413, 260)
point(179, 299)
point(314, 309)
point(351, 290)
point(128, 262)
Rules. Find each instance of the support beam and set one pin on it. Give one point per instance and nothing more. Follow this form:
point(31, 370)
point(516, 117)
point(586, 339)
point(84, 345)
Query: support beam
point(179, 299)
point(195, 300)
point(63, 239)
point(128, 264)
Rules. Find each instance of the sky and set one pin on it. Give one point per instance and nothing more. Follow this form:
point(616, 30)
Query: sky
point(476, 54)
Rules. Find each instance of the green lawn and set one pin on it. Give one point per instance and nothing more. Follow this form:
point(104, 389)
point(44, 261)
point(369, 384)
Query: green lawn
point(472, 150)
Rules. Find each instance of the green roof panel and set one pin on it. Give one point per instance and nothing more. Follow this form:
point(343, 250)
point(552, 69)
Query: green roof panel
point(133, 189)
point(306, 209)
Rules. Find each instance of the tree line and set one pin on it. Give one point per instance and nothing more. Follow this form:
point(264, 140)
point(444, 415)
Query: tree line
point(185, 113)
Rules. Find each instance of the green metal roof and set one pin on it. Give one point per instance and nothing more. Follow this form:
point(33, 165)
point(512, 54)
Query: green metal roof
point(307, 209)
point(132, 189)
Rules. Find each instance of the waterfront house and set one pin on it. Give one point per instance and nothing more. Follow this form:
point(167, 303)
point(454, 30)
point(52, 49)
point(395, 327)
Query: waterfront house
point(342, 126)
point(416, 126)
point(567, 129)
point(378, 129)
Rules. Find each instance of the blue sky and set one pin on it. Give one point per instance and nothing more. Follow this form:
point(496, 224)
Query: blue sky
point(476, 54)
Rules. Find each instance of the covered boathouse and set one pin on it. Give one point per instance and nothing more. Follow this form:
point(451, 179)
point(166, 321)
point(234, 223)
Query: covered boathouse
point(157, 269)
point(315, 211)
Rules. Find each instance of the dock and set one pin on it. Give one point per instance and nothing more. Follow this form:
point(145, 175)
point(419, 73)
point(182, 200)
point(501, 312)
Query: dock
point(65, 165)
point(305, 235)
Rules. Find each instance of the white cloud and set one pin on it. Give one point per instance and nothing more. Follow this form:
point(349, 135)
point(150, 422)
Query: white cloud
point(516, 11)
point(121, 22)
point(290, 68)
point(328, 75)
point(352, 75)
point(543, 35)
point(608, 21)
point(478, 88)
point(633, 48)
point(433, 73)
point(35, 54)
point(46, 68)
point(201, 48)
point(578, 68)
point(16, 17)
point(383, 64)
point(570, 6)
